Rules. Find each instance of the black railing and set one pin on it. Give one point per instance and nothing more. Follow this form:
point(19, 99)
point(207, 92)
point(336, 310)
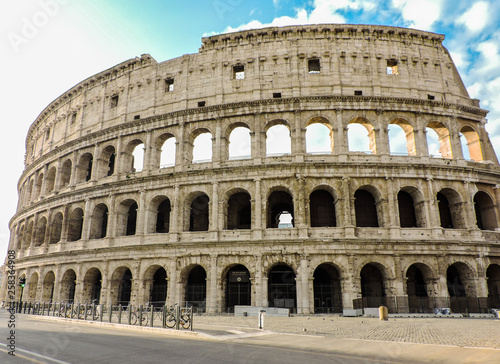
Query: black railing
point(416, 304)
point(140, 315)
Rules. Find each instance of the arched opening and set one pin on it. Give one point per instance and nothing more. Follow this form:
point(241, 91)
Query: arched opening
point(406, 206)
point(65, 173)
point(493, 279)
point(196, 289)
point(456, 288)
point(158, 294)
point(282, 290)
point(485, 211)
point(32, 287)
point(238, 287)
point(322, 209)
point(127, 218)
point(107, 161)
point(68, 286)
point(472, 148)
point(416, 288)
point(28, 235)
point(461, 288)
point(444, 211)
point(240, 143)
point(168, 150)
point(125, 288)
point(438, 140)
point(451, 211)
point(41, 228)
point(327, 289)
point(361, 137)
point(138, 158)
point(50, 180)
point(84, 168)
point(372, 286)
point(402, 138)
point(202, 148)
point(75, 225)
point(278, 141)
point(92, 285)
point(365, 208)
point(163, 217)
point(397, 140)
point(280, 210)
point(132, 219)
point(132, 158)
point(99, 223)
point(199, 213)
point(38, 186)
point(319, 137)
point(239, 212)
point(56, 228)
point(48, 287)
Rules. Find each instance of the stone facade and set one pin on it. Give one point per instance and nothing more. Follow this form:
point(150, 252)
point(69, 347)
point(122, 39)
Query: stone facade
point(411, 231)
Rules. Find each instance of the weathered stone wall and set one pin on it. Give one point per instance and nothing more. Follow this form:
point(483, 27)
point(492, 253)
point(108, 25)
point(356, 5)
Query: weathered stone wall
point(67, 188)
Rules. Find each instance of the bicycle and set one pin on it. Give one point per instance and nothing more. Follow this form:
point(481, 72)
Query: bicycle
point(138, 314)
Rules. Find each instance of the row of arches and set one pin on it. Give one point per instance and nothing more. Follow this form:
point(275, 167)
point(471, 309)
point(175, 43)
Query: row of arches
point(138, 153)
point(236, 283)
point(323, 208)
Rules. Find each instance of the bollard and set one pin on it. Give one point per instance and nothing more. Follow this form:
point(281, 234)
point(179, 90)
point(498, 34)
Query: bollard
point(383, 313)
point(261, 318)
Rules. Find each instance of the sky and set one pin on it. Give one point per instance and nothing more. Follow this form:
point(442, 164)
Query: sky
point(48, 46)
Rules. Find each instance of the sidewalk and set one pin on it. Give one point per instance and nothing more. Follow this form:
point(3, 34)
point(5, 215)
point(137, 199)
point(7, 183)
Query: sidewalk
point(401, 340)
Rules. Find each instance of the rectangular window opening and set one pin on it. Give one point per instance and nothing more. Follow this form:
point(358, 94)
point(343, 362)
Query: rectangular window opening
point(314, 66)
point(73, 118)
point(47, 135)
point(114, 101)
point(201, 103)
point(430, 97)
point(276, 95)
point(239, 72)
point(392, 67)
point(169, 85)
point(137, 117)
point(358, 93)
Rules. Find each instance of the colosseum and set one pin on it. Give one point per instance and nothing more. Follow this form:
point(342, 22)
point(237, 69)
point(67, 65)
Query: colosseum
point(227, 177)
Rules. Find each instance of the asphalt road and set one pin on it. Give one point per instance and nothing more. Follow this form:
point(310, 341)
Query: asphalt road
point(40, 341)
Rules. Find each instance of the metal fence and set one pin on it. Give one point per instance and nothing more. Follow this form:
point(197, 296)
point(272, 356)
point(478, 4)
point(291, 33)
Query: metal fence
point(415, 304)
point(175, 317)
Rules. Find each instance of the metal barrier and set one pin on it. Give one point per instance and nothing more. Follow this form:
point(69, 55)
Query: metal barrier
point(140, 315)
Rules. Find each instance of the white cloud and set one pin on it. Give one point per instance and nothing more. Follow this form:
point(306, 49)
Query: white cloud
point(421, 14)
point(476, 18)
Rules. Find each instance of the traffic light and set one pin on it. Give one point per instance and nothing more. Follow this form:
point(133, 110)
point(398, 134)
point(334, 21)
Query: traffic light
point(22, 282)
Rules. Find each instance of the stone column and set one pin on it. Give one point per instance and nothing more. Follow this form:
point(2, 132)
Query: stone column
point(87, 220)
point(180, 150)
point(212, 286)
point(256, 139)
point(141, 214)
point(339, 134)
point(112, 217)
point(105, 282)
point(95, 163)
point(176, 213)
point(304, 307)
point(172, 284)
point(74, 169)
point(148, 153)
point(214, 207)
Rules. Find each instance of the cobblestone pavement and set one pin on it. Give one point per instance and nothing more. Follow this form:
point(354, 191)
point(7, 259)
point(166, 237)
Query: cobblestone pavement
point(465, 332)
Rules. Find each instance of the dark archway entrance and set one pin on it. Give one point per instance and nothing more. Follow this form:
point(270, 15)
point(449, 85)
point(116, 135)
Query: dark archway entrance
point(322, 209)
point(416, 289)
point(125, 289)
point(196, 289)
point(327, 290)
point(159, 288)
point(493, 276)
point(238, 287)
point(68, 285)
point(372, 286)
point(282, 290)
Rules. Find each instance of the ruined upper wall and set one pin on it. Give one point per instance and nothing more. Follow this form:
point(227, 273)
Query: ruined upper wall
point(352, 60)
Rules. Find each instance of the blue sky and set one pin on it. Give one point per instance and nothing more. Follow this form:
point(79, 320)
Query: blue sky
point(48, 46)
